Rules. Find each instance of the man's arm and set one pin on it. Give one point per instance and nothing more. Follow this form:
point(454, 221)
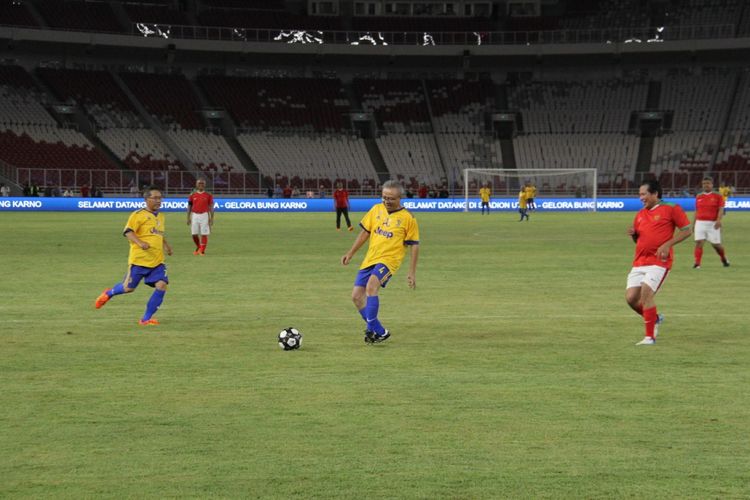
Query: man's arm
point(411, 278)
point(663, 251)
point(211, 215)
point(130, 235)
point(633, 234)
point(362, 237)
point(167, 247)
point(189, 210)
point(717, 224)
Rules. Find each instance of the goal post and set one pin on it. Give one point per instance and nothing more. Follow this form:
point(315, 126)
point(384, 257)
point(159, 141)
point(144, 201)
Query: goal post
point(550, 183)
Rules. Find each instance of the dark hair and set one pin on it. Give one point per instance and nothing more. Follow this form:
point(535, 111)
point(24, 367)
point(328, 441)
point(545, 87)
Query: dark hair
point(147, 191)
point(708, 178)
point(653, 186)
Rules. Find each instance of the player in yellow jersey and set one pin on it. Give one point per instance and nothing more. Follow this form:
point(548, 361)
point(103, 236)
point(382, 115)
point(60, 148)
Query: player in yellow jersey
point(390, 230)
point(484, 195)
point(145, 232)
point(530, 189)
point(522, 204)
point(725, 191)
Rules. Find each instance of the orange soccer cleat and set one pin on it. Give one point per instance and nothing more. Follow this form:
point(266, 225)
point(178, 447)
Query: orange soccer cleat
point(102, 299)
point(148, 322)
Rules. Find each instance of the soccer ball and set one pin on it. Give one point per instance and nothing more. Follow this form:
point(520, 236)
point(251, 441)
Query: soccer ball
point(290, 339)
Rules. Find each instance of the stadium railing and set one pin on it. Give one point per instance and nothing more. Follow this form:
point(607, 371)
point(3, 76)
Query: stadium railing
point(255, 183)
point(302, 36)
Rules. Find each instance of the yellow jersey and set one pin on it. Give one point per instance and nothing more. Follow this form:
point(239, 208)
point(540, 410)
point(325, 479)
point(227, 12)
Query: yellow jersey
point(148, 227)
point(390, 234)
point(522, 197)
point(725, 192)
point(484, 194)
point(530, 192)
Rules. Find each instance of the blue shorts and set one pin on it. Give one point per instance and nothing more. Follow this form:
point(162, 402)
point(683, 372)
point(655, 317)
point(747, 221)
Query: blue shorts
point(380, 270)
point(149, 275)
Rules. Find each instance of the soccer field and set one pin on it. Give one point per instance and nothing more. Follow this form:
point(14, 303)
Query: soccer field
point(511, 373)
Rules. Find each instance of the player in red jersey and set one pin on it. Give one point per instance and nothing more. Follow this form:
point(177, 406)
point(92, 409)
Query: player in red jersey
point(653, 232)
point(709, 210)
point(200, 216)
point(341, 202)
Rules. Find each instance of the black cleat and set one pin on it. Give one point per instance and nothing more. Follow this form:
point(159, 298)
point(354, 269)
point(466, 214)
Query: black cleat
point(369, 337)
point(380, 338)
point(696, 266)
point(725, 263)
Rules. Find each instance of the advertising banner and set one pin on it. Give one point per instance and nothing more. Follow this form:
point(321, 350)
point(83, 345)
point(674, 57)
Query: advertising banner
point(326, 204)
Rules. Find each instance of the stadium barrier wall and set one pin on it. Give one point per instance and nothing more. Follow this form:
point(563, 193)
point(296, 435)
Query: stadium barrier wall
point(326, 204)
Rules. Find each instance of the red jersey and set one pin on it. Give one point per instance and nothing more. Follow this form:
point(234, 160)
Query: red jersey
point(341, 198)
point(200, 203)
point(654, 227)
point(707, 206)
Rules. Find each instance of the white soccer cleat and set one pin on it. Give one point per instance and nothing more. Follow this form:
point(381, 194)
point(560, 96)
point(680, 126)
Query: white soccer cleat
point(647, 341)
point(659, 321)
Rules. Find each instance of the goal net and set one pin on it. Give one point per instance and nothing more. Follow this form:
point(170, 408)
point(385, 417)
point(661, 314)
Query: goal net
point(577, 183)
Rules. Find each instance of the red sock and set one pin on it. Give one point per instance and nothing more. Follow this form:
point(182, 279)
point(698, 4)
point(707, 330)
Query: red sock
point(204, 242)
point(196, 240)
point(720, 251)
point(698, 253)
point(649, 319)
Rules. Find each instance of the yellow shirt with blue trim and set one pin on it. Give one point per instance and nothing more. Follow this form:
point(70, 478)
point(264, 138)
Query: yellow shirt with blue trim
point(484, 194)
point(390, 234)
point(725, 192)
point(148, 227)
point(530, 192)
point(522, 197)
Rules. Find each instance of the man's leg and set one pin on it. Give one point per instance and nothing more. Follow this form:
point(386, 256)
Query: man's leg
point(650, 315)
point(348, 221)
point(126, 286)
point(359, 300)
point(372, 306)
point(338, 219)
point(153, 304)
point(722, 255)
point(698, 253)
point(633, 298)
point(204, 244)
point(197, 241)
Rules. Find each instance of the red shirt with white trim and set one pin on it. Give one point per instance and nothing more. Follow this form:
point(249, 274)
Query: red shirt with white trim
point(201, 202)
point(654, 227)
point(341, 198)
point(707, 206)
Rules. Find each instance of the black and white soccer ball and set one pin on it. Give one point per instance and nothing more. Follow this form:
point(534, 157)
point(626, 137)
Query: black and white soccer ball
point(290, 339)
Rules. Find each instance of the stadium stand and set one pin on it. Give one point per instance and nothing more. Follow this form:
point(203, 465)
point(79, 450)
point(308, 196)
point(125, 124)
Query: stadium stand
point(116, 120)
point(301, 104)
point(16, 13)
point(699, 118)
point(79, 15)
point(580, 124)
point(31, 138)
point(309, 161)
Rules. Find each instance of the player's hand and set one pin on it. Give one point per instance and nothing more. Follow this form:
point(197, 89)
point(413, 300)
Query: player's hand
point(346, 259)
point(663, 252)
point(631, 231)
point(188, 223)
point(144, 245)
point(169, 250)
point(717, 225)
point(411, 280)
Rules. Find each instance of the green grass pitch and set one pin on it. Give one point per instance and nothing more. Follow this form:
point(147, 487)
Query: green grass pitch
point(511, 373)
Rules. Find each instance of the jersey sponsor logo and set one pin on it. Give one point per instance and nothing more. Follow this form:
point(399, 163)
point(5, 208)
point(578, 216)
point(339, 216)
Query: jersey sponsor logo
point(387, 234)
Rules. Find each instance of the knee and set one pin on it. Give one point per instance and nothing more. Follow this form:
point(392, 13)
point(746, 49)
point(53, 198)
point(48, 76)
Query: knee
point(161, 286)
